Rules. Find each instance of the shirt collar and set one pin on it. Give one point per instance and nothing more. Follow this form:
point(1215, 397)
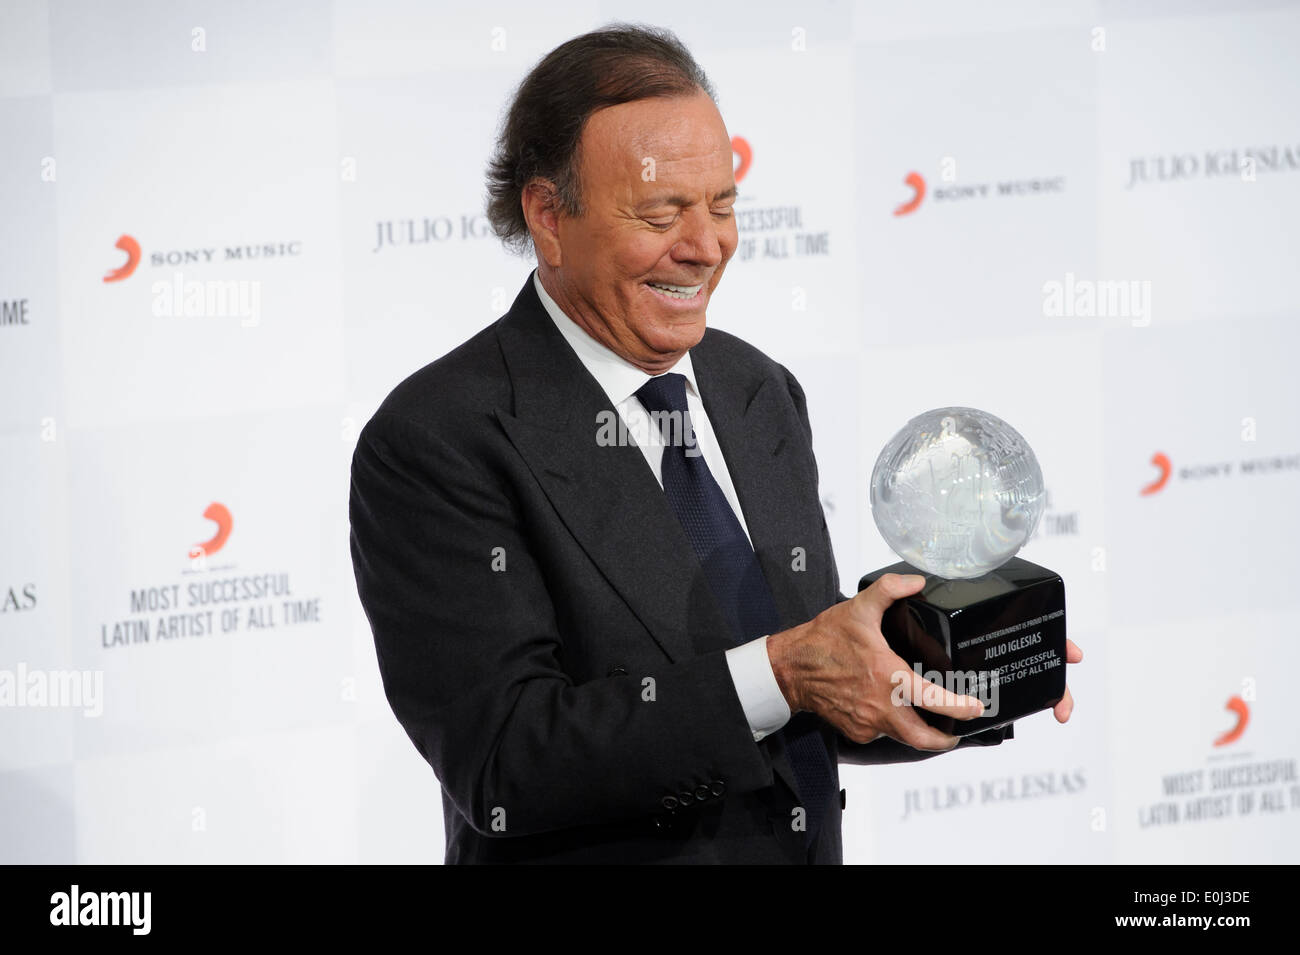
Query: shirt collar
point(619, 378)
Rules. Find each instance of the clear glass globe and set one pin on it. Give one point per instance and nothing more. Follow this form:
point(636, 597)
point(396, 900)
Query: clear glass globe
point(956, 492)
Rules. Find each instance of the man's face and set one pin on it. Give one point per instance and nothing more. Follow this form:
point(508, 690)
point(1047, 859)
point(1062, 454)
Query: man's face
point(658, 189)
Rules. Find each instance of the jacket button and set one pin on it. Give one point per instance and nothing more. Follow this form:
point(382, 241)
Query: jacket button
point(701, 792)
point(686, 797)
point(669, 802)
point(717, 787)
point(617, 670)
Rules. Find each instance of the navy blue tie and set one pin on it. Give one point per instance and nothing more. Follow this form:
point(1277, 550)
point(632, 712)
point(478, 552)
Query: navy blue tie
point(732, 570)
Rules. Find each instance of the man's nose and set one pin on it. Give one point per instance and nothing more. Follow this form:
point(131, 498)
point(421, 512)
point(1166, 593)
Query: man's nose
point(701, 239)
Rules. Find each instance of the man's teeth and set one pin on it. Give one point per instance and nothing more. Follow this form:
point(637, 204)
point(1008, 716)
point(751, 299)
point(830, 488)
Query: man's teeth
point(676, 291)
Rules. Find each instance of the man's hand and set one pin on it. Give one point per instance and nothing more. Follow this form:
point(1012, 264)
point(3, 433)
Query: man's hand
point(839, 666)
point(1063, 709)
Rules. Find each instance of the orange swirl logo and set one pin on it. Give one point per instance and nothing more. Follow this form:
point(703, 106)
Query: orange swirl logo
point(1238, 706)
point(219, 514)
point(1161, 461)
point(132, 250)
point(917, 184)
point(745, 153)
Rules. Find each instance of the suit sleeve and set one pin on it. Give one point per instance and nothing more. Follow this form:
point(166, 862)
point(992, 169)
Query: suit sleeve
point(470, 657)
point(885, 749)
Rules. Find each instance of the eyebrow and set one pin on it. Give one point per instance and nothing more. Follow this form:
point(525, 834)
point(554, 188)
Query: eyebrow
point(682, 200)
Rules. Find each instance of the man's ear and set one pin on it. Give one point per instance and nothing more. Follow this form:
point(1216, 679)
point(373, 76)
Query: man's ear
point(541, 207)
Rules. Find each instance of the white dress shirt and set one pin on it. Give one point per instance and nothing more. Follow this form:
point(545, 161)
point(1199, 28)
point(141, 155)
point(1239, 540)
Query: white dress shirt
point(751, 669)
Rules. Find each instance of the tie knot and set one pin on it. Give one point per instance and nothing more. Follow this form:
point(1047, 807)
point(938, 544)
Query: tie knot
point(664, 393)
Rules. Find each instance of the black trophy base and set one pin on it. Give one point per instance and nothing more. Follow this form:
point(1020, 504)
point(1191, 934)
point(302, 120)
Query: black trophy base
point(999, 637)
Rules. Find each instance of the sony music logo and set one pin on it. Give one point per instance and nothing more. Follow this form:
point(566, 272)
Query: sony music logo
point(235, 253)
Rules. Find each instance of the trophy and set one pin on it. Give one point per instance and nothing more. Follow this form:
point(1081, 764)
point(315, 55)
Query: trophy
point(956, 493)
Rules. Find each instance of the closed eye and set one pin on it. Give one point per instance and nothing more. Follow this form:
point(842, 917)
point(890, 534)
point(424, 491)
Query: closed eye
point(717, 213)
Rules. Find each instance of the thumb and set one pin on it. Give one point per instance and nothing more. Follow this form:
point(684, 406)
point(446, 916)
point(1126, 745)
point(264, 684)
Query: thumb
point(875, 600)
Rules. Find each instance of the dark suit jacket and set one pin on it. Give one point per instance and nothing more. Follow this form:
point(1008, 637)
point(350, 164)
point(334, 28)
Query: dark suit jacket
point(544, 631)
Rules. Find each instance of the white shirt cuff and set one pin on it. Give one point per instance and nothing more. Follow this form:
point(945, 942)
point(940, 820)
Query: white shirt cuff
point(760, 695)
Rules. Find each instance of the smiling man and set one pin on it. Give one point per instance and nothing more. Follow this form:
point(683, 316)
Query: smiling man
point(638, 272)
point(622, 651)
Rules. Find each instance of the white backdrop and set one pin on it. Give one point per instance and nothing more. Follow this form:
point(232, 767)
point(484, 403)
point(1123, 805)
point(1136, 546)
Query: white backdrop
point(1103, 253)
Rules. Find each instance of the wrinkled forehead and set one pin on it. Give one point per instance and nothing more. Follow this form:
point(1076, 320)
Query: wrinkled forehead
point(633, 146)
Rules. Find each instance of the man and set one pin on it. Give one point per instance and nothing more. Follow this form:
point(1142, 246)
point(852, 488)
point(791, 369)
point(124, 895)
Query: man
point(616, 640)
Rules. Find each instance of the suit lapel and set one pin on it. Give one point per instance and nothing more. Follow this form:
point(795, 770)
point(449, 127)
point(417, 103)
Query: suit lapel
point(606, 495)
point(753, 425)
point(757, 428)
